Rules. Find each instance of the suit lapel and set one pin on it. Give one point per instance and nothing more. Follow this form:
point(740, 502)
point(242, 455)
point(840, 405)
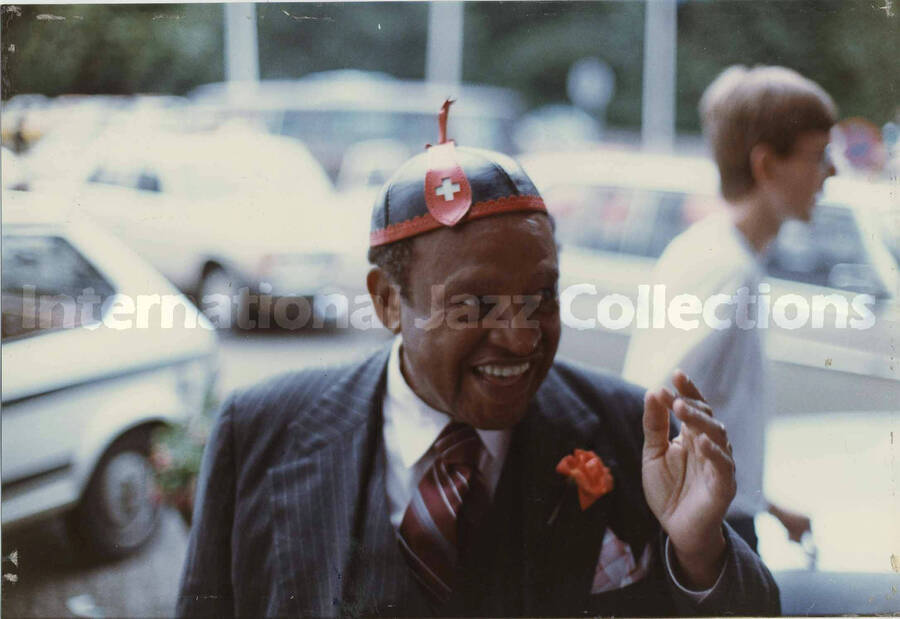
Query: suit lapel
point(378, 580)
point(318, 491)
point(561, 542)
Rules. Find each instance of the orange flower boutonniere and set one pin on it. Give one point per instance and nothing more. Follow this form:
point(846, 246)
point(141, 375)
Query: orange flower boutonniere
point(587, 471)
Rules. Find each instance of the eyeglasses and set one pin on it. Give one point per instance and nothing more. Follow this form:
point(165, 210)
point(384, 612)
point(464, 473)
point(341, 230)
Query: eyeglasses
point(822, 159)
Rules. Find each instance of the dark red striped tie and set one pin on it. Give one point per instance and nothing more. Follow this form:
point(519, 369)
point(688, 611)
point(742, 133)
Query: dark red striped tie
point(452, 495)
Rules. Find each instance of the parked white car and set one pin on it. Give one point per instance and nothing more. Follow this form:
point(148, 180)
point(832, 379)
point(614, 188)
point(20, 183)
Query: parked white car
point(84, 380)
point(234, 212)
point(13, 172)
point(617, 210)
point(330, 111)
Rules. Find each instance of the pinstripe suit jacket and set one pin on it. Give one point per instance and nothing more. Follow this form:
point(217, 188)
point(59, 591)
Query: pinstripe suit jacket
point(291, 515)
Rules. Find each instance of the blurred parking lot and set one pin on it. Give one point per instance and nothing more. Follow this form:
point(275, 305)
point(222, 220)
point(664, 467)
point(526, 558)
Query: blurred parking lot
point(266, 254)
point(55, 579)
point(51, 580)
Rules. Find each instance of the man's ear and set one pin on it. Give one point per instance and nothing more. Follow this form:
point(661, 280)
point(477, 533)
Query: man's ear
point(762, 163)
point(386, 298)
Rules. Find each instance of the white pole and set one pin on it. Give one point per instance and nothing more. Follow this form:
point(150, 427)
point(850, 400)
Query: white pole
point(658, 100)
point(443, 57)
point(241, 51)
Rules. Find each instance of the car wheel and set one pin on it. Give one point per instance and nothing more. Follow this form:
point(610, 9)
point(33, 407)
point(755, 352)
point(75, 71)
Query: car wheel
point(217, 292)
point(119, 510)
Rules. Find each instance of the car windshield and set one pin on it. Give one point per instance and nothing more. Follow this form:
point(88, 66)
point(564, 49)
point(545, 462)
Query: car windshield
point(828, 251)
point(329, 132)
point(44, 286)
point(625, 220)
point(212, 166)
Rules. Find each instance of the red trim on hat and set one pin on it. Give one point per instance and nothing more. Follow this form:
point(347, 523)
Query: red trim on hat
point(427, 223)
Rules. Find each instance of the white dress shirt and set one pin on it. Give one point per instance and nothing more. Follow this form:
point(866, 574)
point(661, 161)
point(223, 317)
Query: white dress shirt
point(410, 428)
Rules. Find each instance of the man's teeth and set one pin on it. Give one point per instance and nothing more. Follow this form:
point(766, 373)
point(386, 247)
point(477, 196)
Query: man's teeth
point(504, 370)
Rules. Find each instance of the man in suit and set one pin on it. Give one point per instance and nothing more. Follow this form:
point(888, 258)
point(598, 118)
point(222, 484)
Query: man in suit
point(424, 480)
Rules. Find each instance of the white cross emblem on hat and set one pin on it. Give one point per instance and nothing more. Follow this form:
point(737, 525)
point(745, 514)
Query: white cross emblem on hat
point(447, 189)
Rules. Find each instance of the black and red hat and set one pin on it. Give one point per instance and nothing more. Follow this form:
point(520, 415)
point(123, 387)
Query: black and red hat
point(448, 185)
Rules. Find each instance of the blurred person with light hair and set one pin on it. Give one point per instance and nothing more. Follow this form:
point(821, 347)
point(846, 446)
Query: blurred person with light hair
point(768, 129)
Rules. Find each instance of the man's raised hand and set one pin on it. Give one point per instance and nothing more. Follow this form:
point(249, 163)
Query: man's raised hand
point(689, 480)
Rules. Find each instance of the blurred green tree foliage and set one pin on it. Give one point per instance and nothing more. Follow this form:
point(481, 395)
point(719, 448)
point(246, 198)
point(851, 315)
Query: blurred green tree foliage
point(110, 49)
point(849, 46)
point(531, 46)
point(295, 39)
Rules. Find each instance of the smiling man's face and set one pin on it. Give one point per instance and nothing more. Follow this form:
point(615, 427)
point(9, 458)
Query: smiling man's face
point(483, 371)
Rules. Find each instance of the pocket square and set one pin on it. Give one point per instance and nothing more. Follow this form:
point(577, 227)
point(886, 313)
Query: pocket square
point(617, 567)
